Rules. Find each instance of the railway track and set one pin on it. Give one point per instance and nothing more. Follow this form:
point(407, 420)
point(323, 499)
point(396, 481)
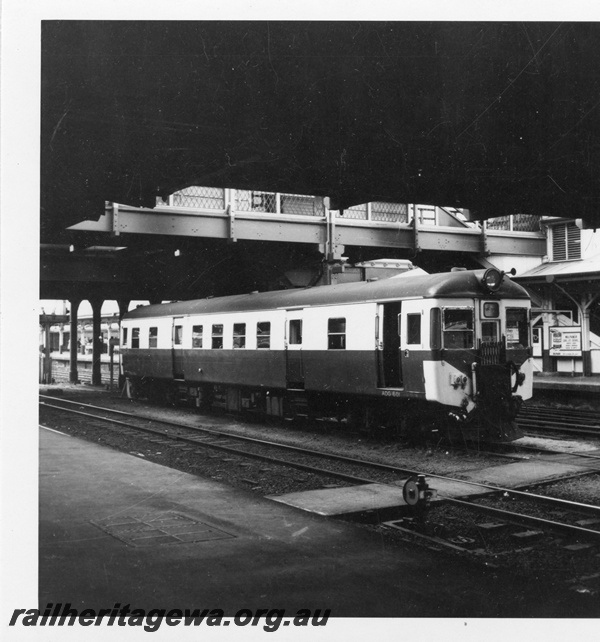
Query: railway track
point(163, 432)
point(545, 420)
point(275, 459)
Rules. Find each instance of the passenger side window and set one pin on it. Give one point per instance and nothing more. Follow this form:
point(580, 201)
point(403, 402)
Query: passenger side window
point(239, 335)
point(153, 338)
point(217, 337)
point(197, 336)
point(336, 334)
point(413, 329)
point(263, 334)
point(135, 337)
point(296, 331)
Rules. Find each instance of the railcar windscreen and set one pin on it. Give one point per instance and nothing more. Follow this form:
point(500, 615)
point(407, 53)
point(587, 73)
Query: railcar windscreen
point(458, 328)
point(517, 328)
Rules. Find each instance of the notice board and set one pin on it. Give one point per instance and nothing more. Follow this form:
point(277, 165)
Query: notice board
point(565, 341)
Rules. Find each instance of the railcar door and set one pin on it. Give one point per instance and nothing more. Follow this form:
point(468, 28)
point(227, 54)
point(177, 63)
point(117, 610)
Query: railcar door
point(293, 352)
point(390, 365)
point(412, 340)
point(177, 348)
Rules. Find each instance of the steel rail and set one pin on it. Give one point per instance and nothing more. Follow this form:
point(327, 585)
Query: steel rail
point(558, 423)
point(544, 451)
point(566, 412)
point(541, 430)
point(521, 517)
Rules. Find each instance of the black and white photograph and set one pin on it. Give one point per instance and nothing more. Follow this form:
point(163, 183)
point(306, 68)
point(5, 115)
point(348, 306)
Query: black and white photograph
point(300, 320)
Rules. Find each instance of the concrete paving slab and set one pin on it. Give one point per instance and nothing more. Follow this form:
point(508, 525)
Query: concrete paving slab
point(522, 473)
point(340, 501)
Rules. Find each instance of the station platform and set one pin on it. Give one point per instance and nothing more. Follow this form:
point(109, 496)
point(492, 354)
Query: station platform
point(566, 382)
point(117, 528)
point(576, 391)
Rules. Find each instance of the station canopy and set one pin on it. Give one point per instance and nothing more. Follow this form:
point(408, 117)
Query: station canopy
point(498, 118)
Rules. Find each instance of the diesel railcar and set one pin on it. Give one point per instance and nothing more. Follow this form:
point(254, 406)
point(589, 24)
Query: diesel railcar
point(428, 352)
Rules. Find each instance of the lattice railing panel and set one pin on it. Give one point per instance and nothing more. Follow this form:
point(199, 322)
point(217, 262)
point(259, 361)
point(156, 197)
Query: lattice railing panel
point(209, 198)
point(301, 205)
point(525, 223)
point(499, 223)
point(254, 201)
point(357, 212)
point(514, 223)
point(389, 212)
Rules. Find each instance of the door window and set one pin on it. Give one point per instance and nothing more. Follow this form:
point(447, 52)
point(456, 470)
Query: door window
point(178, 335)
point(295, 331)
point(413, 329)
point(489, 331)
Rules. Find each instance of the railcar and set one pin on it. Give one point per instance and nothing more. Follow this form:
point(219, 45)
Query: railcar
point(416, 353)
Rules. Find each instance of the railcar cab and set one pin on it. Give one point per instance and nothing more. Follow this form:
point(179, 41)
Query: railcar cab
point(495, 327)
point(465, 346)
point(481, 354)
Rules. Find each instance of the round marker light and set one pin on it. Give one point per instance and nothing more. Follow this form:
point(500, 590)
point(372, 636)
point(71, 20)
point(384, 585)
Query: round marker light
point(492, 279)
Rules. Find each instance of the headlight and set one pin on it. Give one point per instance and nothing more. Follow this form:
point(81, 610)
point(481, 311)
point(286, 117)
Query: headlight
point(492, 279)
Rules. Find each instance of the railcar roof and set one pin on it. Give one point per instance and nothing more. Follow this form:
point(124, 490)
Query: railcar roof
point(447, 284)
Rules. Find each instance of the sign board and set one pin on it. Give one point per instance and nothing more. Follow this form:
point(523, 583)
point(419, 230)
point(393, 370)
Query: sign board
point(565, 341)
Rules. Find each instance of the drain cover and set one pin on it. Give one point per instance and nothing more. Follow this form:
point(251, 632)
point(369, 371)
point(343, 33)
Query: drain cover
point(161, 528)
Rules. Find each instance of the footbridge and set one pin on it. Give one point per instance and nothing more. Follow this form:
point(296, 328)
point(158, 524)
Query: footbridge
point(236, 215)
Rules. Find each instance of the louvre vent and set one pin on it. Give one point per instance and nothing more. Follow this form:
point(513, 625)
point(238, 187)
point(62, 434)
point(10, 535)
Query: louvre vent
point(566, 242)
point(573, 242)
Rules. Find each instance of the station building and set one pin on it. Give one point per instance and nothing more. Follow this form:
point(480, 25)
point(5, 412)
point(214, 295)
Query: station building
point(565, 289)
